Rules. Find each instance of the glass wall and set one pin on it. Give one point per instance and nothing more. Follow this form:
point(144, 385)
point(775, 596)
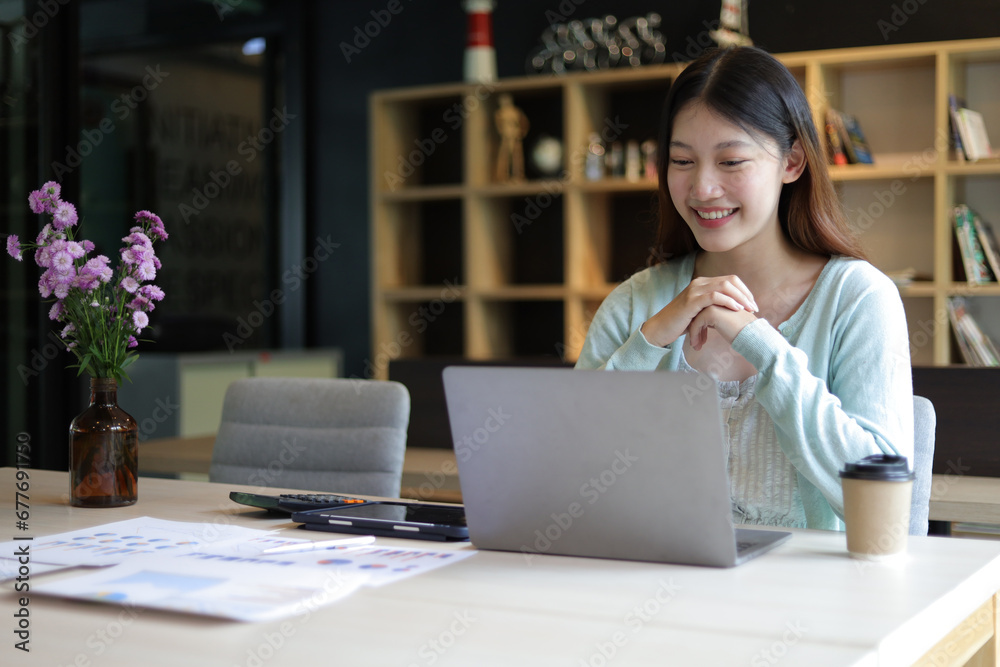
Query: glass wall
point(184, 133)
point(175, 106)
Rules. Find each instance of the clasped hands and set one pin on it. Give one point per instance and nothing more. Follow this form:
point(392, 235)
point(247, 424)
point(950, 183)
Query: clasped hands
point(722, 303)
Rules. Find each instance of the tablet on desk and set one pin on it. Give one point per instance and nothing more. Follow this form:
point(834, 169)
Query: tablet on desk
point(390, 519)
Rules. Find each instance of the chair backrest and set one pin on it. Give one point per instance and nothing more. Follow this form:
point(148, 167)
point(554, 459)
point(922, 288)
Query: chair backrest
point(328, 435)
point(924, 424)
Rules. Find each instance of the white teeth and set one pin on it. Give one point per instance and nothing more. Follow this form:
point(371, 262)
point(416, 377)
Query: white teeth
point(714, 215)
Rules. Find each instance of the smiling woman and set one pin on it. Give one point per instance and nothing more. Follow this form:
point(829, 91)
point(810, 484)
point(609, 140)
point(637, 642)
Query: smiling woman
point(762, 287)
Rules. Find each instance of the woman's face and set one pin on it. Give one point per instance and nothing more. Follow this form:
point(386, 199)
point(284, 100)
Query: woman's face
point(724, 182)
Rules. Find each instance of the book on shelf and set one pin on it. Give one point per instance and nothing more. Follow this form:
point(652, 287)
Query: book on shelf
point(972, 132)
point(954, 104)
point(834, 143)
point(976, 347)
point(988, 241)
point(844, 135)
point(977, 269)
point(857, 143)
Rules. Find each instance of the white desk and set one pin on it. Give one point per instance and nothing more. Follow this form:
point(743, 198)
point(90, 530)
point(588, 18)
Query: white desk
point(806, 603)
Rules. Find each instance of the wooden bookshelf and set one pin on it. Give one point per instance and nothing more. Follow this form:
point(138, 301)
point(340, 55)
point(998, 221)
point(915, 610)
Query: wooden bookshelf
point(464, 266)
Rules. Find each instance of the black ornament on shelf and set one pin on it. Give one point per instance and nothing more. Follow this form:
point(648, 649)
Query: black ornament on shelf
point(596, 44)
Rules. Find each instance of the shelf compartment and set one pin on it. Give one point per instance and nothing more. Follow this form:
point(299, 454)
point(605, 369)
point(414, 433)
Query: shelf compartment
point(611, 237)
point(543, 108)
point(525, 328)
point(974, 79)
point(420, 141)
point(895, 221)
point(633, 219)
point(420, 243)
point(420, 328)
point(617, 112)
point(516, 240)
point(982, 194)
point(985, 309)
point(893, 100)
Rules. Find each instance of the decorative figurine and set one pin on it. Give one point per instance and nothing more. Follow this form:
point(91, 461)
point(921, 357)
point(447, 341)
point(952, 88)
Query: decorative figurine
point(734, 27)
point(512, 125)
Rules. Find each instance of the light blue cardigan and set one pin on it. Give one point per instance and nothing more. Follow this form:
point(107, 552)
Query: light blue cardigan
point(835, 377)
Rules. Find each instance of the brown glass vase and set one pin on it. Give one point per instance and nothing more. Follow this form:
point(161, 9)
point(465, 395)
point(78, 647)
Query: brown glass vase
point(103, 451)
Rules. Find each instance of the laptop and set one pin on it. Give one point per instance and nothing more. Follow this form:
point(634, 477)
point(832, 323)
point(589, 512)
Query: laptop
point(607, 464)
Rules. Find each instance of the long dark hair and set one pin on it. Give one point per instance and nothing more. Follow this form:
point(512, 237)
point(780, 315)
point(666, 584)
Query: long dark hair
point(753, 90)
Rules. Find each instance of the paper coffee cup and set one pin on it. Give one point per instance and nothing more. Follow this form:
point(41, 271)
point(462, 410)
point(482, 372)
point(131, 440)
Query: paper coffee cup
point(877, 494)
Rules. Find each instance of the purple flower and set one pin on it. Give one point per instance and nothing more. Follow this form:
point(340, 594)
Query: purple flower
point(43, 257)
point(62, 262)
point(75, 250)
point(151, 292)
point(98, 267)
point(138, 238)
point(64, 216)
point(140, 303)
point(44, 287)
point(146, 271)
point(142, 253)
point(154, 222)
point(76, 281)
point(52, 189)
point(14, 246)
point(37, 201)
point(86, 281)
point(43, 235)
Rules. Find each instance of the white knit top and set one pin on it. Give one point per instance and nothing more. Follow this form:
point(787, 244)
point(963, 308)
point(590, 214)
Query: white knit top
point(763, 486)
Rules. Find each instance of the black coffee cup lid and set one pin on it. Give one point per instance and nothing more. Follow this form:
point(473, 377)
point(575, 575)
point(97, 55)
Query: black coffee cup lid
point(887, 467)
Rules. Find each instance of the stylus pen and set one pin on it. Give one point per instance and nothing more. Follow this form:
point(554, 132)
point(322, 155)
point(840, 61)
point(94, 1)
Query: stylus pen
point(321, 544)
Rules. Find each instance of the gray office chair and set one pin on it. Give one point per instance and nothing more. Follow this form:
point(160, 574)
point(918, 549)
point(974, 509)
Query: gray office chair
point(924, 423)
point(335, 435)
